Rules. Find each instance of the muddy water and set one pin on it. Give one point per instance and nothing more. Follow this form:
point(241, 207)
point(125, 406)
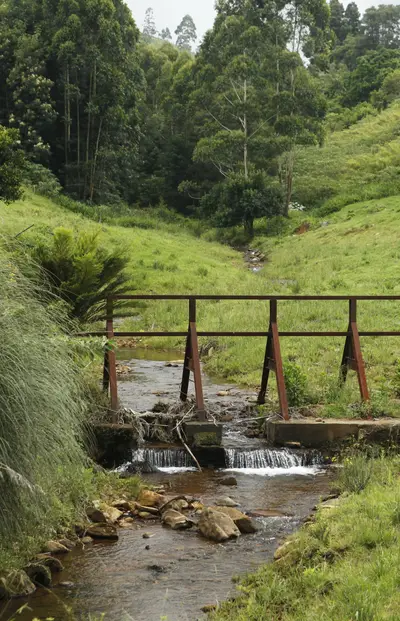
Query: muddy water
point(171, 575)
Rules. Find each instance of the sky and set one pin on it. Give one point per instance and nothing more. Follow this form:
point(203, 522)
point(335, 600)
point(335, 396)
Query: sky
point(168, 13)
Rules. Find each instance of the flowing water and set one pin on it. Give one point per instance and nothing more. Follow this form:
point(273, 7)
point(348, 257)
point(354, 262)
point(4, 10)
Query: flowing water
point(172, 574)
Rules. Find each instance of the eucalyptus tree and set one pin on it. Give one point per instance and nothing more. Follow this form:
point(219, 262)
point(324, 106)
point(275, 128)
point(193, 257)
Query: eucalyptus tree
point(186, 33)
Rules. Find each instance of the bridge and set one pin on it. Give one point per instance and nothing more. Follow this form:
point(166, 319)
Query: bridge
point(352, 358)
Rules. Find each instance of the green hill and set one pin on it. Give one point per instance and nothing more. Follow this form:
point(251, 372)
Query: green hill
point(358, 163)
point(353, 252)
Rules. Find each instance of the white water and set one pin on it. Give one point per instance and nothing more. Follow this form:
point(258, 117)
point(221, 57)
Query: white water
point(262, 462)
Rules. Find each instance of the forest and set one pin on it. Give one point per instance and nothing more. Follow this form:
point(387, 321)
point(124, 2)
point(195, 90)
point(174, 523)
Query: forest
point(108, 115)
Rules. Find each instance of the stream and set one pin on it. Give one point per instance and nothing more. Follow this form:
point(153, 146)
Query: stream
point(173, 574)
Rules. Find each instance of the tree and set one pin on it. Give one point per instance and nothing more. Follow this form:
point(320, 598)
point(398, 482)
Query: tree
point(149, 25)
point(186, 33)
point(11, 165)
point(165, 34)
point(381, 26)
point(369, 74)
point(337, 19)
point(352, 19)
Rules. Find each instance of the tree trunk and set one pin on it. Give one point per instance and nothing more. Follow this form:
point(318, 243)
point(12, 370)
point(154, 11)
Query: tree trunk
point(249, 227)
point(94, 164)
point(289, 180)
point(245, 130)
point(78, 136)
point(88, 134)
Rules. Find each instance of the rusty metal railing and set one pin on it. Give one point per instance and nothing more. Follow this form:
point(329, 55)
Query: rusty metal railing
point(352, 358)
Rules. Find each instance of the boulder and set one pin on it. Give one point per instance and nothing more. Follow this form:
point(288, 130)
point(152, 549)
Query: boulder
point(178, 504)
point(96, 515)
point(102, 531)
point(176, 520)
point(226, 502)
point(138, 507)
point(39, 573)
point(53, 563)
point(16, 584)
point(55, 547)
point(242, 521)
point(229, 481)
point(112, 514)
point(148, 498)
point(217, 526)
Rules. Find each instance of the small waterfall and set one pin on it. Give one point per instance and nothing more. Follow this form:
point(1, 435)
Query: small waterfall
point(270, 458)
point(163, 458)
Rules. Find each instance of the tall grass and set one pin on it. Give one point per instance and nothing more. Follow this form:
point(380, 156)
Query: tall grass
point(42, 477)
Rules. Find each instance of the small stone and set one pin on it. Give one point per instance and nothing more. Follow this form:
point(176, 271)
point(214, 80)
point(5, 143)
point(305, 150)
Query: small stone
point(159, 569)
point(39, 573)
point(252, 399)
point(209, 608)
point(176, 520)
point(147, 535)
point(54, 547)
point(122, 505)
point(126, 522)
point(229, 481)
point(53, 563)
point(293, 444)
point(223, 393)
point(87, 540)
point(66, 585)
point(144, 515)
point(147, 547)
point(178, 504)
point(68, 543)
point(197, 506)
point(102, 531)
point(95, 515)
point(226, 502)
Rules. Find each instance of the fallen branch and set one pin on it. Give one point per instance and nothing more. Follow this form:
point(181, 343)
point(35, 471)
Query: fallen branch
point(178, 430)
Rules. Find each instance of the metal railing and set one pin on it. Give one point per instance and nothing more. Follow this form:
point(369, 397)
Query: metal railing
point(352, 358)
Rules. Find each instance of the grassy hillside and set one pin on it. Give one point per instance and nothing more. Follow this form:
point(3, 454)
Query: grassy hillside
point(355, 252)
point(358, 163)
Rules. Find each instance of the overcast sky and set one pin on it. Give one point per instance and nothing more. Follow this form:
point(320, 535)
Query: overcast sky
point(168, 13)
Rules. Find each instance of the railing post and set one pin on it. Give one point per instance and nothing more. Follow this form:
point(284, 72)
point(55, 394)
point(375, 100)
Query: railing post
point(192, 363)
point(273, 362)
point(352, 355)
point(112, 363)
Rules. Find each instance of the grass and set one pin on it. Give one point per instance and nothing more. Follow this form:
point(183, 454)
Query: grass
point(43, 481)
point(355, 253)
point(344, 566)
point(355, 164)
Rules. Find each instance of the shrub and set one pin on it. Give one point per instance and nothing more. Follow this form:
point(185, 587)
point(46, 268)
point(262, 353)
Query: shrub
point(82, 272)
point(41, 180)
point(296, 384)
point(356, 474)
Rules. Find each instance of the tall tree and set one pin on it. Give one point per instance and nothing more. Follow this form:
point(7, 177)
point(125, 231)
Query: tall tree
point(149, 25)
point(186, 33)
point(337, 19)
point(352, 19)
point(165, 34)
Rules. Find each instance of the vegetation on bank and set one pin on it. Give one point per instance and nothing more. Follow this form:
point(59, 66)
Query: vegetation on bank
point(344, 565)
